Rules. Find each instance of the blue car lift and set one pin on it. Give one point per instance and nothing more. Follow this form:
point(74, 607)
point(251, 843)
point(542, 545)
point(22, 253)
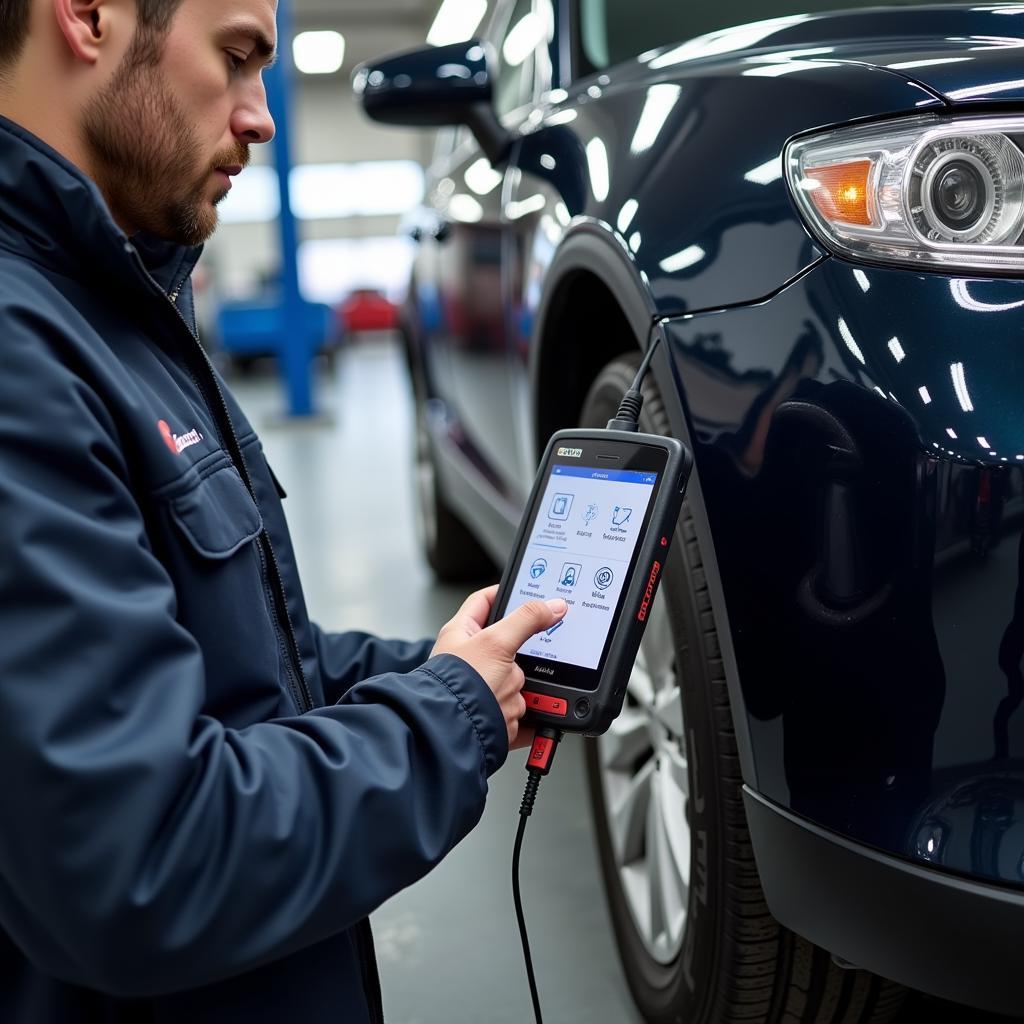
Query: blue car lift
point(283, 323)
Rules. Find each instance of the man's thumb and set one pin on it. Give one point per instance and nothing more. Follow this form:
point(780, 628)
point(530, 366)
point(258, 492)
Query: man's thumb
point(526, 621)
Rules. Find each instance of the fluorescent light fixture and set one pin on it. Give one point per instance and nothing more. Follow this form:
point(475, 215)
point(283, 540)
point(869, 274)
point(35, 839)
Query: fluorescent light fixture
point(456, 21)
point(561, 117)
point(984, 90)
point(951, 432)
point(983, 441)
point(524, 38)
point(925, 396)
point(727, 40)
point(687, 257)
point(851, 343)
point(635, 240)
point(326, 191)
point(482, 178)
point(776, 55)
point(369, 189)
point(886, 397)
point(465, 209)
point(906, 65)
point(319, 53)
point(548, 162)
point(896, 349)
point(531, 204)
point(790, 67)
point(964, 298)
point(597, 162)
point(766, 173)
point(661, 100)
point(960, 386)
point(862, 280)
point(626, 214)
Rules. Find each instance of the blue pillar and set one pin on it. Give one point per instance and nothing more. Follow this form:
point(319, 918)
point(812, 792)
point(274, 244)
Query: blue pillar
point(296, 343)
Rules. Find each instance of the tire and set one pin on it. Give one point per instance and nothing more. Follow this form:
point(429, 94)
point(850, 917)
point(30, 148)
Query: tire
point(720, 957)
point(453, 553)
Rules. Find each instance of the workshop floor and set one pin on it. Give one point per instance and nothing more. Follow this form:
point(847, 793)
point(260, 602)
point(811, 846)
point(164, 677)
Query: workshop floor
point(448, 947)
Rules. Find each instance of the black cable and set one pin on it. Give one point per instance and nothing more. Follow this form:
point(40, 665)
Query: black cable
point(530, 795)
point(537, 765)
point(628, 416)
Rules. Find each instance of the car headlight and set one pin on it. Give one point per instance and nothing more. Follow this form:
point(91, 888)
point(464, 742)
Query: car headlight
point(923, 191)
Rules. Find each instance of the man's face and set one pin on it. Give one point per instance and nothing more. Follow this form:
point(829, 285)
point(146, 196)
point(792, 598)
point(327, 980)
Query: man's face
point(179, 115)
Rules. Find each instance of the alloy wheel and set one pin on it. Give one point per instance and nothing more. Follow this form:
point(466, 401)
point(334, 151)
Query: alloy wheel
point(645, 785)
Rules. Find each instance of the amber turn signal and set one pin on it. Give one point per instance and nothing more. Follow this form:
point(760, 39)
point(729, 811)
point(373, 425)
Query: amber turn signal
point(840, 192)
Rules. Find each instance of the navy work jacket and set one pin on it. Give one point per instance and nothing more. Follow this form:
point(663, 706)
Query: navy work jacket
point(204, 794)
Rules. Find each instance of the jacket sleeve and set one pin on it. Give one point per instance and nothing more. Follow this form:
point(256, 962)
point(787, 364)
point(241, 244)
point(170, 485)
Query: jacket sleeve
point(144, 847)
point(347, 658)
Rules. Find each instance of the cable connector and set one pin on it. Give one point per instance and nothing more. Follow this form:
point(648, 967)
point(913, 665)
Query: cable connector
point(538, 764)
point(542, 753)
point(628, 416)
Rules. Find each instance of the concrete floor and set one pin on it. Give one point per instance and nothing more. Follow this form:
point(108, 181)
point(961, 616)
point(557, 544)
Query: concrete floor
point(448, 947)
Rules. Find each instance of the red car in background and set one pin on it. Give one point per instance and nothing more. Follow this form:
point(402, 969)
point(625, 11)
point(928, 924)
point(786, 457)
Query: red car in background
point(366, 309)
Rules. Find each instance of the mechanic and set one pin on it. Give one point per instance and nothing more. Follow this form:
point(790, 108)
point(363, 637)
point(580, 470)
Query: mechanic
point(205, 795)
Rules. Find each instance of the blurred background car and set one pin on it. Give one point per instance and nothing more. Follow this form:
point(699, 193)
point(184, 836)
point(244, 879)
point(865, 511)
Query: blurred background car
point(366, 309)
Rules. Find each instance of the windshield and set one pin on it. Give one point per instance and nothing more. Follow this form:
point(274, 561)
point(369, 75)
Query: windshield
point(612, 31)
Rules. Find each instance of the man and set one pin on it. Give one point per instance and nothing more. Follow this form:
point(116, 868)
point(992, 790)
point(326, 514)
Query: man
point(204, 795)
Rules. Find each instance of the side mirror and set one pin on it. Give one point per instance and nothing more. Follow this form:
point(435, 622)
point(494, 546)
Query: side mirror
point(435, 86)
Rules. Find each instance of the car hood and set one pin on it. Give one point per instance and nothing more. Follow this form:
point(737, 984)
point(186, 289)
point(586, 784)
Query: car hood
point(963, 54)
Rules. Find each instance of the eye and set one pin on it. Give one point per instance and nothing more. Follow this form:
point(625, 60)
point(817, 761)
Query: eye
point(235, 61)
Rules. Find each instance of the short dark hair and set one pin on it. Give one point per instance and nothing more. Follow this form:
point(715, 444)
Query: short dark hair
point(155, 18)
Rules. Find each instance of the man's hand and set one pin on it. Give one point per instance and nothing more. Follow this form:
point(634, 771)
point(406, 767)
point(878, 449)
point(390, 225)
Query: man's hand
point(492, 650)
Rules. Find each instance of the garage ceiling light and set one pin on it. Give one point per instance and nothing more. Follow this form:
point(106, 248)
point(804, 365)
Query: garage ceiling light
point(523, 39)
point(319, 53)
point(456, 21)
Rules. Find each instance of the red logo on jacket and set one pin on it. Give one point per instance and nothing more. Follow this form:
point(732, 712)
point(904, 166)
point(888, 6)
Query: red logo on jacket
point(178, 442)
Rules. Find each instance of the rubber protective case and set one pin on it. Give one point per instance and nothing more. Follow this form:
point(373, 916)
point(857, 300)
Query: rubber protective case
point(592, 711)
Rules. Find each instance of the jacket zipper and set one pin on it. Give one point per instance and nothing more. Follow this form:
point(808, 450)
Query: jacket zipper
point(364, 934)
point(296, 677)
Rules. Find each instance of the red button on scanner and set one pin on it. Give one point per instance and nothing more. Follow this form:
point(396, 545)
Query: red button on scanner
point(549, 705)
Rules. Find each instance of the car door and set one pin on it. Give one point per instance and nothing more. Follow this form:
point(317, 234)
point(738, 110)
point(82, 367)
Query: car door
point(470, 205)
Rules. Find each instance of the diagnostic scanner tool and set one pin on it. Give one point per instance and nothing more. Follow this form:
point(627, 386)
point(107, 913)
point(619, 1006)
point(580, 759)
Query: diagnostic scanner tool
point(596, 533)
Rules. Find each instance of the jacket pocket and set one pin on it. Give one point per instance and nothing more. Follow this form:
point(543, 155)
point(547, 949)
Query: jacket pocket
point(217, 516)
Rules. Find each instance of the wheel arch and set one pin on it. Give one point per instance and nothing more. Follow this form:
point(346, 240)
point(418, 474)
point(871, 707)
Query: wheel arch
point(565, 360)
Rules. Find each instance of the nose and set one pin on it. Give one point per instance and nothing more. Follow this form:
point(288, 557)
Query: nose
point(252, 122)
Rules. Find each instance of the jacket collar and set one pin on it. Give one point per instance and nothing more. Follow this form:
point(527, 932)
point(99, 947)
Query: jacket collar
point(53, 214)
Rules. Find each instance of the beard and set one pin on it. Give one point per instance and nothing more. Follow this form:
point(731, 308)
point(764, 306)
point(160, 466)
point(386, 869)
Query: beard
point(146, 157)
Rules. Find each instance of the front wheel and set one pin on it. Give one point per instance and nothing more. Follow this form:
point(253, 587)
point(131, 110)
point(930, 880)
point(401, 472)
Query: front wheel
point(694, 933)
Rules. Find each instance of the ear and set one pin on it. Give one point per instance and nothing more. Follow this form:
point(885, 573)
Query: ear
point(83, 23)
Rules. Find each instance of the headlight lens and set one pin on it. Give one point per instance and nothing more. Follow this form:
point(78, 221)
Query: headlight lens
point(943, 192)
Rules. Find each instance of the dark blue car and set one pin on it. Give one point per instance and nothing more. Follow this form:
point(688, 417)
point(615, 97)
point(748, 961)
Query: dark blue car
point(814, 798)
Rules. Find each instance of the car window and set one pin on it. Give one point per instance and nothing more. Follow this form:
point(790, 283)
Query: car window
point(611, 31)
point(524, 31)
